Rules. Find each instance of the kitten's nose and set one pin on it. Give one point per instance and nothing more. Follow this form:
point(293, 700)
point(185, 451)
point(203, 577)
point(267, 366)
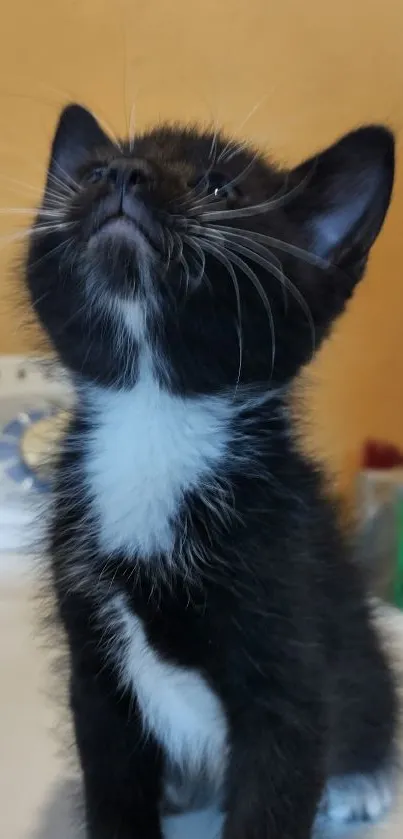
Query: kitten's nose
point(130, 174)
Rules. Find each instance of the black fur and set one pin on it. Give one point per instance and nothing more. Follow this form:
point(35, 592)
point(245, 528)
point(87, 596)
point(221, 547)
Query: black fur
point(275, 617)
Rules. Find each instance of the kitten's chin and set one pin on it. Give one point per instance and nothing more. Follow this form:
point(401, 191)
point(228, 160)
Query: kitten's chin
point(120, 257)
point(119, 231)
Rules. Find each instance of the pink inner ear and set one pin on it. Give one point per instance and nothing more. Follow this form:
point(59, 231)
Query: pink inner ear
point(332, 228)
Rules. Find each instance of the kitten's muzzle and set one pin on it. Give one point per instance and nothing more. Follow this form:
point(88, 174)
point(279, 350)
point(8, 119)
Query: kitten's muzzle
point(122, 206)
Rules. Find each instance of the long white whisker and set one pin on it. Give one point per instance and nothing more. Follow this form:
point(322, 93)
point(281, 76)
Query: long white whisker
point(249, 250)
point(169, 237)
point(177, 247)
point(38, 230)
point(186, 198)
point(198, 250)
point(16, 183)
point(263, 296)
point(52, 204)
point(49, 227)
point(183, 261)
point(51, 252)
point(241, 125)
point(248, 271)
point(66, 179)
point(245, 212)
point(240, 147)
point(263, 207)
point(21, 211)
point(201, 187)
point(61, 186)
point(279, 244)
point(132, 118)
point(268, 260)
point(69, 96)
point(213, 147)
point(105, 124)
point(221, 257)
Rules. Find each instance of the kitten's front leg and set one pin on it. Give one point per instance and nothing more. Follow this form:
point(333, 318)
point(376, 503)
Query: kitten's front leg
point(121, 764)
point(275, 779)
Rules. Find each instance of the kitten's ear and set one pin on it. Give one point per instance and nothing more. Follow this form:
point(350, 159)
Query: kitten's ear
point(78, 133)
point(345, 193)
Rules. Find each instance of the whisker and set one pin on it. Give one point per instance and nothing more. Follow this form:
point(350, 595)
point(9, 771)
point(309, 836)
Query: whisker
point(105, 124)
point(186, 198)
point(245, 268)
point(202, 185)
point(207, 199)
point(183, 261)
point(170, 242)
point(67, 180)
point(20, 235)
point(221, 257)
point(21, 211)
point(241, 125)
point(69, 97)
point(15, 182)
point(61, 187)
point(52, 204)
point(263, 207)
point(131, 126)
point(279, 274)
point(50, 253)
point(248, 271)
point(240, 147)
point(179, 244)
point(213, 147)
point(245, 212)
point(196, 247)
point(279, 244)
point(268, 260)
point(49, 227)
point(236, 180)
point(35, 302)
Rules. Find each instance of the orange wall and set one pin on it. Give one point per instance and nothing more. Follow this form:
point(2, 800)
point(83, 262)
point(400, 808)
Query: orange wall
point(314, 69)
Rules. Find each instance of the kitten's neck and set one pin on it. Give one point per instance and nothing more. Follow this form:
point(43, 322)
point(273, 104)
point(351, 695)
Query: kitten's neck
point(147, 450)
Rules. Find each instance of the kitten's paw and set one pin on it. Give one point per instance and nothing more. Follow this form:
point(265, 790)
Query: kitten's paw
point(357, 797)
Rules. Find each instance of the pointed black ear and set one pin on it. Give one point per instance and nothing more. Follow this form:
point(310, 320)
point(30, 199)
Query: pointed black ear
point(77, 135)
point(345, 193)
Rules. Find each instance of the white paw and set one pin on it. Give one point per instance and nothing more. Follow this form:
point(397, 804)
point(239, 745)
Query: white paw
point(351, 798)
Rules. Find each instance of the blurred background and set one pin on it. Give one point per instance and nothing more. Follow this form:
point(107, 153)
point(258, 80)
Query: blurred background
point(292, 76)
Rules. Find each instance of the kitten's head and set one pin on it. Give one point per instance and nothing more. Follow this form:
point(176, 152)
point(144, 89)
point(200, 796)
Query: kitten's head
point(195, 255)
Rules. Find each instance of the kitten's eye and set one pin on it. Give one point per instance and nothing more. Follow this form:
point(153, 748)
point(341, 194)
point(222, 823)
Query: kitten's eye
point(96, 174)
point(219, 185)
point(216, 185)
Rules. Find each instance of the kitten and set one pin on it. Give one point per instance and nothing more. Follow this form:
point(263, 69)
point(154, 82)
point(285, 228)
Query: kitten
point(221, 643)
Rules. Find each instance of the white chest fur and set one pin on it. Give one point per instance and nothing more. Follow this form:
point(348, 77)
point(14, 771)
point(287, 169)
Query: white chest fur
point(148, 448)
point(176, 703)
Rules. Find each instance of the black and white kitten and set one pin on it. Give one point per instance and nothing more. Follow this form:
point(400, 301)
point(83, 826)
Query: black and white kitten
point(221, 645)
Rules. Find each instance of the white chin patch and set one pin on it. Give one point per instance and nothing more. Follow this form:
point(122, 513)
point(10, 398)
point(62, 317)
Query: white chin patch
point(133, 314)
point(357, 798)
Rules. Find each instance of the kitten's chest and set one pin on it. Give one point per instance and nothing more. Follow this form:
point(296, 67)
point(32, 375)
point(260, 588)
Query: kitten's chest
point(147, 449)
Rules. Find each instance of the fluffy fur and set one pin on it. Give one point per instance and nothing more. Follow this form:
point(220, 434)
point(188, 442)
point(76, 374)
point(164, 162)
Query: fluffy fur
point(167, 445)
point(221, 643)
